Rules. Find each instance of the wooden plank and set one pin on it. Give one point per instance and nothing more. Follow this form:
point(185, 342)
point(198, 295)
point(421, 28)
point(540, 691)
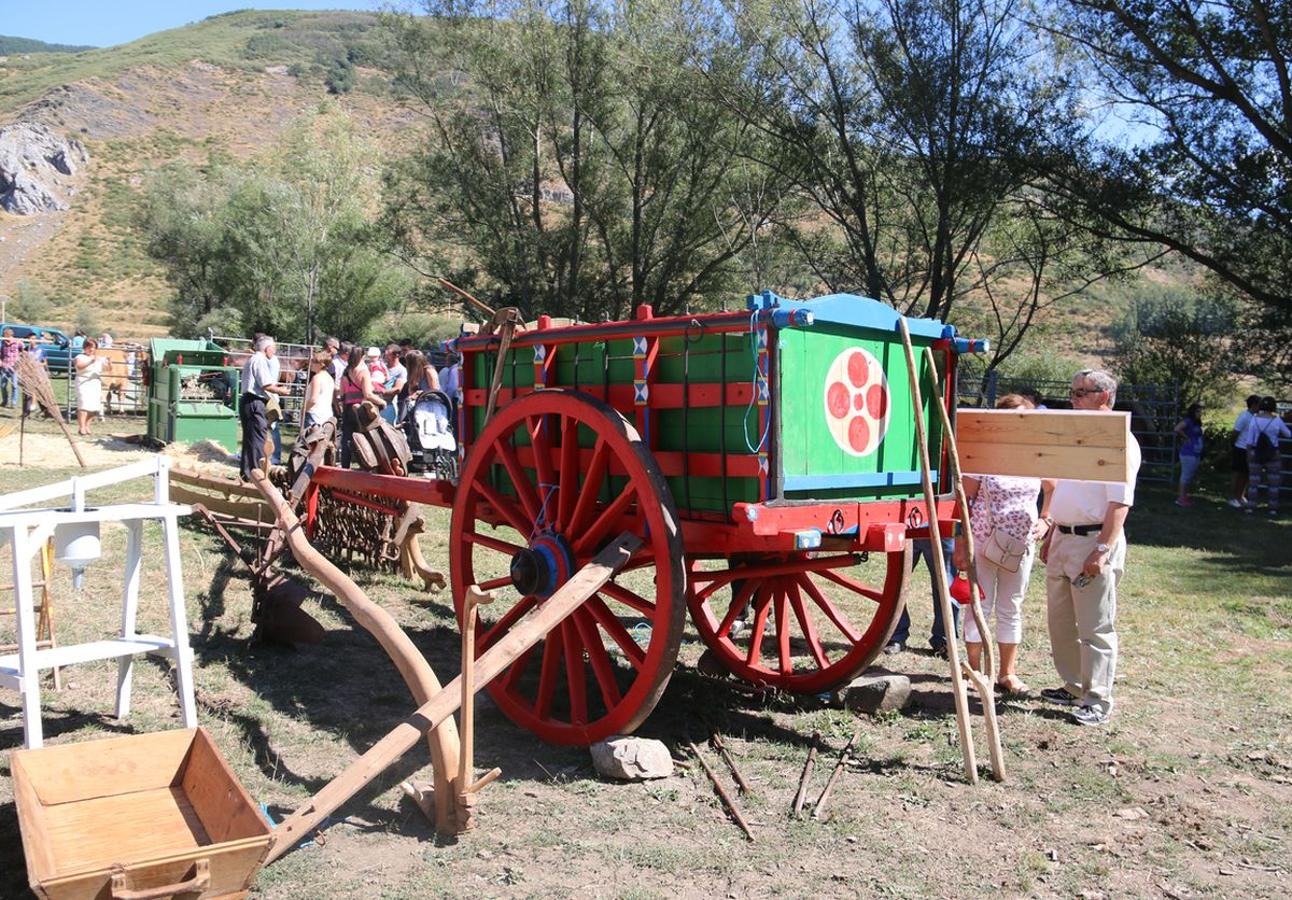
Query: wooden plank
point(212, 483)
point(238, 509)
point(31, 823)
point(225, 808)
point(83, 771)
point(1082, 446)
point(131, 826)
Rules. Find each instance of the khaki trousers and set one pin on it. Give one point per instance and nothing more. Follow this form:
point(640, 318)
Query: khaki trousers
point(1083, 640)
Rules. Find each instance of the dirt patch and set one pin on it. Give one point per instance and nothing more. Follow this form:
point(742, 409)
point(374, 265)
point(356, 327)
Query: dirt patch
point(51, 451)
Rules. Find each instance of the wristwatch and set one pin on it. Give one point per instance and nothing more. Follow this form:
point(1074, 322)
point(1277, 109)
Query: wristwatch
point(1103, 548)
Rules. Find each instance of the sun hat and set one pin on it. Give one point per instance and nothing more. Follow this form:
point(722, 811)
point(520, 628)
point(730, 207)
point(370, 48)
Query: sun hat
point(373, 352)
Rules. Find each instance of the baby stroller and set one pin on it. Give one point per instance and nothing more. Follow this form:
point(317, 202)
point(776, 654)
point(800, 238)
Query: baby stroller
point(428, 424)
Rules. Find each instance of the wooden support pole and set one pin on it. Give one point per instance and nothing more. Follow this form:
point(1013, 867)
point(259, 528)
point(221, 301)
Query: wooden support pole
point(741, 784)
point(722, 793)
point(797, 809)
point(466, 759)
point(939, 569)
point(526, 633)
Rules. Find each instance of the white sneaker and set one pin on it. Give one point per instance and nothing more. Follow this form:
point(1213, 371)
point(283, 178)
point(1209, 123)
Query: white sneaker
point(1235, 503)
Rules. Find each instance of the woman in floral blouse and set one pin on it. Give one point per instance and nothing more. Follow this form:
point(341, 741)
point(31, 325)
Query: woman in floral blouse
point(1005, 505)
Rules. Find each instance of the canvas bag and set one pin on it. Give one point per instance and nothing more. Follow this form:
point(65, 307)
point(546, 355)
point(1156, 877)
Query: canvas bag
point(1002, 550)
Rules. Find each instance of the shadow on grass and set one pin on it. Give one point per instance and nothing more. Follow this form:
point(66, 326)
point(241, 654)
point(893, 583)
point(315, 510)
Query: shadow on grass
point(1229, 538)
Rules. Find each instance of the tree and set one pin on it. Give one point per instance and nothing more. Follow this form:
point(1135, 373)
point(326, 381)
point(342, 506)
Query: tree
point(30, 303)
point(577, 162)
point(910, 125)
point(285, 241)
point(1201, 159)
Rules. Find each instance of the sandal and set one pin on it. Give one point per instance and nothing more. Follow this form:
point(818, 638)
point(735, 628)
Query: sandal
point(1013, 688)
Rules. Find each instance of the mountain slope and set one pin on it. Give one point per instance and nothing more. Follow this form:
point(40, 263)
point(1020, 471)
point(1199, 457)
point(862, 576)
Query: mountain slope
point(9, 44)
point(227, 86)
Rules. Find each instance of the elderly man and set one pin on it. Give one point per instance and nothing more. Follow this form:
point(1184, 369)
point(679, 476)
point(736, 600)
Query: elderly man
point(259, 380)
point(1085, 557)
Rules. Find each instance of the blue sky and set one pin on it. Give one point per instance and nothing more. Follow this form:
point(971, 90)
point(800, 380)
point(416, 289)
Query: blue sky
point(103, 23)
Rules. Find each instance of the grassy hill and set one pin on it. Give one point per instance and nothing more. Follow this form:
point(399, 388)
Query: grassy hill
point(10, 45)
point(224, 87)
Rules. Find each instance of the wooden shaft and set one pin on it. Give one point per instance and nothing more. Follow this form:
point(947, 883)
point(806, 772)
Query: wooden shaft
point(962, 501)
point(741, 784)
point(819, 809)
point(987, 696)
point(479, 304)
point(722, 793)
point(438, 710)
point(807, 773)
point(939, 570)
point(504, 344)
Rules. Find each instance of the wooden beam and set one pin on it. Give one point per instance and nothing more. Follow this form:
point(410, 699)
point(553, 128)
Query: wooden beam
point(1044, 443)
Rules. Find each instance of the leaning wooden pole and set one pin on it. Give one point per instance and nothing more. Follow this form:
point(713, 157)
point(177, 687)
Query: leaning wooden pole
point(984, 686)
point(402, 651)
point(939, 570)
point(437, 712)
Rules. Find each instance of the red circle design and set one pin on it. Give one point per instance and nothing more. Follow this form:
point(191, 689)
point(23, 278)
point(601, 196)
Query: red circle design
point(858, 370)
point(837, 398)
point(877, 401)
point(859, 401)
point(859, 434)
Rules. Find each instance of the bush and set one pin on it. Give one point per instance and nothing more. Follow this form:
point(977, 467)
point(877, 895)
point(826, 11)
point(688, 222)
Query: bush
point(30, 303)
point(1180, 339)
point(340, 77)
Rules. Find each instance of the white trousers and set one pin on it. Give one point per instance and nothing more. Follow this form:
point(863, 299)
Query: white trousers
point(1002, 594)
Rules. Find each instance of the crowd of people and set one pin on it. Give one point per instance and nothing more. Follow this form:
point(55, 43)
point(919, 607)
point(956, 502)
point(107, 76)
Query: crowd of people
point(1255, 456)
point(342, 376)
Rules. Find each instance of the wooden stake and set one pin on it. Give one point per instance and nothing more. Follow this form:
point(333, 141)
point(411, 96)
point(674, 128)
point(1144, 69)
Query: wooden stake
point(939, 570)
point(716, 740)
point(466, 759)
point(797, 809)
point(819, 809)
point(722, 793)
point(986, 692)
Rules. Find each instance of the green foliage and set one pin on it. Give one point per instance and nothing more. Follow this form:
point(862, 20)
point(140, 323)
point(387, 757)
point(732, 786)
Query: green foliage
point(88, 320)
point(30, 303)
point(1181, 339)
point(340, 76)
point(10, 45)
point(282, 245)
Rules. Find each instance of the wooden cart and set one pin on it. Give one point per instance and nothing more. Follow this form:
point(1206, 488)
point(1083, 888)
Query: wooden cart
point(767, 459)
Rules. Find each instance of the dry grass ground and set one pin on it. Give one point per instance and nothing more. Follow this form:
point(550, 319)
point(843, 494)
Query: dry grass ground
point(1187, 793)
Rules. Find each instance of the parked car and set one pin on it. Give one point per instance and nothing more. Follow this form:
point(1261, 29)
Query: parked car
point(57, 345)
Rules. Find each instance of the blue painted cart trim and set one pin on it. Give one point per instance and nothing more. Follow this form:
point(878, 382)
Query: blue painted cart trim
point(852, 480)
point(851, 309)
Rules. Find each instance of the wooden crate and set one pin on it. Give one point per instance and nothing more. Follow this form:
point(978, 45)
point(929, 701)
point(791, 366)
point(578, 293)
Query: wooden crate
point(151, 815)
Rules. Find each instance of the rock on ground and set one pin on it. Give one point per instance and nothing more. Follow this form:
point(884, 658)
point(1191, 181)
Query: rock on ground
point(632, 758)
point(875, 693)
point(36, 168)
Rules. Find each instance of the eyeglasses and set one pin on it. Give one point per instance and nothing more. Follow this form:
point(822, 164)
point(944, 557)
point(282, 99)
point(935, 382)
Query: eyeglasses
point(1083, 392)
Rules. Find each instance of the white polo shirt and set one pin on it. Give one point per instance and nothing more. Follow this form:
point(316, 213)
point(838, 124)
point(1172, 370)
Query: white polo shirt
point(1085, 502)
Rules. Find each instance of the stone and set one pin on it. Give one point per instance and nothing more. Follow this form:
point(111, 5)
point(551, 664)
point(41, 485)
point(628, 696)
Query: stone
point(874, 693)
point(36, 166)
point(632, 758)
point(709, 664)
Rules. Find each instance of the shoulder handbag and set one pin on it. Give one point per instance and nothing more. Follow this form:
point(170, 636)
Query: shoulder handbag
point(1002, 550)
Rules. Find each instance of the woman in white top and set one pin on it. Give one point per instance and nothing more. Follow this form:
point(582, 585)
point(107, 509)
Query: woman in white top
point(1003, 511)
point(89, 384)
point(321, 390)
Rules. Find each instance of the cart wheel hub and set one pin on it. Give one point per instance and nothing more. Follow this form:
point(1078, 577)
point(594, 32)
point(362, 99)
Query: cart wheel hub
point(542, 567)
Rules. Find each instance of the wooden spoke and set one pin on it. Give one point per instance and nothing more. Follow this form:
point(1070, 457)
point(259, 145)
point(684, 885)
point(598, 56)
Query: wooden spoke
point(782, 629)
point(855, 586)
point(517, 669)
point(553, 650)
point(600, 530)
point(737, 607)
point(505, 621)
point(762, 603)
point(628, 598)
point(831, 611)
point(616, 631)
point(540, 438)
point(602, 666)
point(575, 675)
point(591, 488)
point(494, 583)
point(493, 543)
point(520, 482)
point(806, 626)
point(569, 474)
point(514, 516)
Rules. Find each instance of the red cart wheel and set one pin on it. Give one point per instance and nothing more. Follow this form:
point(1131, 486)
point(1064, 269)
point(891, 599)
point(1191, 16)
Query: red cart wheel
point(796, 622)
point(558, 475)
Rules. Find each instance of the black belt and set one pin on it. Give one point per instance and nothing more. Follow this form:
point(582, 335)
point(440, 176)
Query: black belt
point(255, 397)
point(1080, 529)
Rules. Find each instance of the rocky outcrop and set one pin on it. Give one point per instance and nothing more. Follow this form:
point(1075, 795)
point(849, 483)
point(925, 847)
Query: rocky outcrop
point(37, 168)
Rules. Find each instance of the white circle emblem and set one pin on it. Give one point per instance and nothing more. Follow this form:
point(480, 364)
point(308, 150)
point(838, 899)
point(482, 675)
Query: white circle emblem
point(856, 402)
